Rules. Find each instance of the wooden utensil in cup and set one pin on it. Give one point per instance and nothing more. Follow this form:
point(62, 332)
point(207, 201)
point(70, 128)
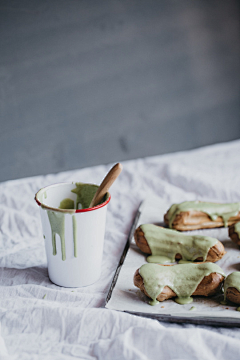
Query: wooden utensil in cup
point(106, 184)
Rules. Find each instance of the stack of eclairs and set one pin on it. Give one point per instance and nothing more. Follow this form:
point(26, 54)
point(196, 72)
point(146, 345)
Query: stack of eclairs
point(196, 272)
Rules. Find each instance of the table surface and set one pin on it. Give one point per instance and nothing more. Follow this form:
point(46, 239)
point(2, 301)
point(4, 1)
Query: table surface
point(41, 320)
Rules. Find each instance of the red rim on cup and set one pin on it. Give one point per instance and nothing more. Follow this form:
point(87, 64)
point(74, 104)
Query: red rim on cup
point(72, 211)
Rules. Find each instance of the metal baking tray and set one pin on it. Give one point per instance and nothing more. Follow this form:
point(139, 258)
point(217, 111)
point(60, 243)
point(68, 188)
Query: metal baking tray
point(123, 295)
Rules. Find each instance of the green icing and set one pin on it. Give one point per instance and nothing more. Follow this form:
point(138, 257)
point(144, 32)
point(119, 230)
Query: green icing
point(66, 204)
point(237, 228)
point(74, 222)
point(166, 243)
point(57, 222)
point(184, 261)
point(158, 259)
point(85, 194)
point(182, 279)
point(225, 211)
point(232, 280)
point(182, 300)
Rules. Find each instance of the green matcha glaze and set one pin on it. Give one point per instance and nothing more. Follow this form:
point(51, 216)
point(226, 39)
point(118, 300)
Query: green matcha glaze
point(232, 280)
point(182, 300)
point(237, 228)
point(66, 204)
point(57, 222)
point(74, 222)
point(182, 279)
point(85, 194)
point(158, 259)
point(225, 211)
point(166, 243)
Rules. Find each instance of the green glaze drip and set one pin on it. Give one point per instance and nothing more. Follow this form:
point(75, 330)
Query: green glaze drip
point(153, 302)
point(166, 243)
point(232, 280)
point(44, 237)
point(85, 194)
point(223, 302)
point(57, 222)
point(237, 228)
point(225, 211)
point(184, 261)
point(184, 300)
point(66, 204)
point(74, 222)
point(192, 308)
point(182, 279)
point(158, 259)
point(44, 296)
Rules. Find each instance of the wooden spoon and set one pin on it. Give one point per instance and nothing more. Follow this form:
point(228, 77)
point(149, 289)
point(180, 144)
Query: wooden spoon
point(106, 184)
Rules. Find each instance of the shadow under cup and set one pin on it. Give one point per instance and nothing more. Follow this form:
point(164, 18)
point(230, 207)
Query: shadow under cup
point(74, 236)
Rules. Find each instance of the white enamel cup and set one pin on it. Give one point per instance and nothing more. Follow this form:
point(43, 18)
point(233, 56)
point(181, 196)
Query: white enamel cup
point(74, 260)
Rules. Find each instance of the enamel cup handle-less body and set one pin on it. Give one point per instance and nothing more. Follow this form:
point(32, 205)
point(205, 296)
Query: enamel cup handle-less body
point(106, 184)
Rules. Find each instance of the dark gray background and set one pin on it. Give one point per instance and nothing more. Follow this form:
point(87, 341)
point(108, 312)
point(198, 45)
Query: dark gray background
point(92, 82)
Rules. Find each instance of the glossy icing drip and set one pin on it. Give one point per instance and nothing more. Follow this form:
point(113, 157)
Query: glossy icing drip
point(67, 204)
point(85, 194)
point(232, 280)
point(166, 243)
point(225, 211)
point(182, 279)
point(74, 222)
point(57, 222)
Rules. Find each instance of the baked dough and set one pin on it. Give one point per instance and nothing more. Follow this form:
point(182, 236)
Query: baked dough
point(215, 253)
point(208, 286)
point(234, 233)
point(233, 295)
point(193, 217)
point(232, 287)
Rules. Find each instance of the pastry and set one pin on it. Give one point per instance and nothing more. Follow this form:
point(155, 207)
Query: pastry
point(193, 215)
point(165, 245)
point(232, 288)
point(161, 282)
point(234, 233)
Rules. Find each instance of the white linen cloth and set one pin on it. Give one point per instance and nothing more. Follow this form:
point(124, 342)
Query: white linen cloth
point(69, 323)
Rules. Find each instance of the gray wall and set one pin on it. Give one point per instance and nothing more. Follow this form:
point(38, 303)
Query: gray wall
point(92, 82)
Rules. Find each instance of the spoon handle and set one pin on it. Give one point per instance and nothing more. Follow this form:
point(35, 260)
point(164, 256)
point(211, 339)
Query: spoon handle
point(105, 184)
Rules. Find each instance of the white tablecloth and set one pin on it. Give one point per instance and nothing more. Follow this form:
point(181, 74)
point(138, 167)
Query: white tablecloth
point(65, 324)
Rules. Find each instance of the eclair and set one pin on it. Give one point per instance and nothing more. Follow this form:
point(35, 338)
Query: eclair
point(193, 215)
point(166, 245)
point(234, 233)
point(160, 282)
point(232, 288)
